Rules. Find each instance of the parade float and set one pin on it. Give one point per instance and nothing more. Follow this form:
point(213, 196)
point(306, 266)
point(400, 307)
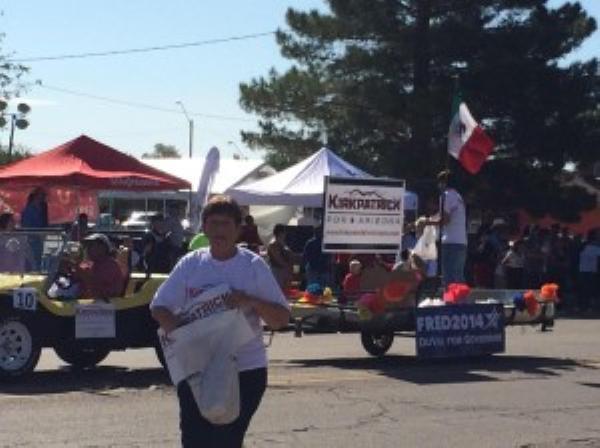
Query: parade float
point(366, 216)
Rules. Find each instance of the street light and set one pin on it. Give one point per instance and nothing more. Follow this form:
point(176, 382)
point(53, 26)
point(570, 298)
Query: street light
point(191, 125)
point(17, 119)
point(191, 143)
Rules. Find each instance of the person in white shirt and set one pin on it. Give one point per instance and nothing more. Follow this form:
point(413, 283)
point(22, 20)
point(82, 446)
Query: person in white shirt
point(452, 220)
point(255, 291)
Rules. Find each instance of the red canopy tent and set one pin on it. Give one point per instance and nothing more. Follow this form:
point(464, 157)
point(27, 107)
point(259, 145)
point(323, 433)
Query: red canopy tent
point(84, 162)
point(72, 173)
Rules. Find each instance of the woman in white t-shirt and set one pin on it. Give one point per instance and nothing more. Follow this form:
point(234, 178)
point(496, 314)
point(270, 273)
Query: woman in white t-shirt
point(255, 291)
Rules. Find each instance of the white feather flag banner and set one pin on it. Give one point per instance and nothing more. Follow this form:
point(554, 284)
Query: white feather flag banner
point(209, 171)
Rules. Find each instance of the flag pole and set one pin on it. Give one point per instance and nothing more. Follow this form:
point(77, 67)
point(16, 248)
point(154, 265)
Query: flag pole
point(445, 167)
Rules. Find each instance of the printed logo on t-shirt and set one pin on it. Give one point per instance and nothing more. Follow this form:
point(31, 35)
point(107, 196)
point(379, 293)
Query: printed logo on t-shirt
point(192, 293)
point(211, 300)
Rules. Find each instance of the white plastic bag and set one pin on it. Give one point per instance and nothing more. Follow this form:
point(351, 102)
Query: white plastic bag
point(217, 390)
point(426, 244)
point(203, 354)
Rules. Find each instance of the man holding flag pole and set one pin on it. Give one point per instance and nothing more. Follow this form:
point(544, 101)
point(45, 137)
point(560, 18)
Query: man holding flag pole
point(468, 143)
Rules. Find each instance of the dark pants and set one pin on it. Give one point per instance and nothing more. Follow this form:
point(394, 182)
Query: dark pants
point(454, 257)
point(588, 290)
point(197, 432)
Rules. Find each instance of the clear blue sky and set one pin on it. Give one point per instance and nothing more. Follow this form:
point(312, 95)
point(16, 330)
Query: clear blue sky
point(204, 78)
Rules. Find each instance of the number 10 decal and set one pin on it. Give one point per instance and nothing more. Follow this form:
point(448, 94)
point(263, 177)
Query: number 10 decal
point(25, 299)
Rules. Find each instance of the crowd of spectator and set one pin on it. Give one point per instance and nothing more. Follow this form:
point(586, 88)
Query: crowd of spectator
point(496, 259)
point(537, 255)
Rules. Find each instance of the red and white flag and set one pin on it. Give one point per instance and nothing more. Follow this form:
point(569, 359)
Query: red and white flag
point(467, 142)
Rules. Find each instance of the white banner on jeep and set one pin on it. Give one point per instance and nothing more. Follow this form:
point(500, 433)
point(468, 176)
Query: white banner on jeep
point(95, 320)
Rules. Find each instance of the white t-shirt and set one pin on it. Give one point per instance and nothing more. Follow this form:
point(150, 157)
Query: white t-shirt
point(246, 271)
point(588, 258)
point(455, 232)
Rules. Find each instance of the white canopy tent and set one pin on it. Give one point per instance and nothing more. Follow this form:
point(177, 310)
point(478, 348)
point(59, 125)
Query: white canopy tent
point(302, 184)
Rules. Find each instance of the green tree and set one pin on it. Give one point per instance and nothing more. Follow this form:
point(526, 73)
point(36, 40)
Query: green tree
point(19, 152)
point(162, 151)
point(11, 74)
point(373, 79)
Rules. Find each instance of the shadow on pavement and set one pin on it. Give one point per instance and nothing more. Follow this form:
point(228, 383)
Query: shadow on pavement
point(447, 371)
point(97, 380)
point(578, 315)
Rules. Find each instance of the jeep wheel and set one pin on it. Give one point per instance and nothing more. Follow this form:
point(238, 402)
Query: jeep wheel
point(81, 357)
point(19, 351)
point(377, 343)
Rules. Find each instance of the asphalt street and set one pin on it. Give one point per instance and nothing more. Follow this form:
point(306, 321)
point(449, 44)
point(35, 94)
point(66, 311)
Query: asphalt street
point(325, 391)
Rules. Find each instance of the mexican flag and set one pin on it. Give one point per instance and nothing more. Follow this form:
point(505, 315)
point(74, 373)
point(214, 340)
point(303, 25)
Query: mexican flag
point(467, 142)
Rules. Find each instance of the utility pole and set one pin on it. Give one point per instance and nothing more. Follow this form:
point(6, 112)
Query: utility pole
point(190, 149)
point(191, 127)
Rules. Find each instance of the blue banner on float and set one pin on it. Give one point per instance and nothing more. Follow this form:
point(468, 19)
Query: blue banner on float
point(459, 330)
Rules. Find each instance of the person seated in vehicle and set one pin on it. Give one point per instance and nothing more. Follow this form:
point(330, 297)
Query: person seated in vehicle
point(99, 274)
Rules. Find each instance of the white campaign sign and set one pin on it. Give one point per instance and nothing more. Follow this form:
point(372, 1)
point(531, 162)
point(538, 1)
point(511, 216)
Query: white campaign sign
point(25, 299)
point(363, 215)
point(95, 320)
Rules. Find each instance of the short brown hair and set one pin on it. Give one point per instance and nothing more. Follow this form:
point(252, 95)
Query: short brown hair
point(222, 205)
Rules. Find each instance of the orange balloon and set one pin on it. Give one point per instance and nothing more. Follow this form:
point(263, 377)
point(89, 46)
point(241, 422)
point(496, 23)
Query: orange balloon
point(549, 292)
